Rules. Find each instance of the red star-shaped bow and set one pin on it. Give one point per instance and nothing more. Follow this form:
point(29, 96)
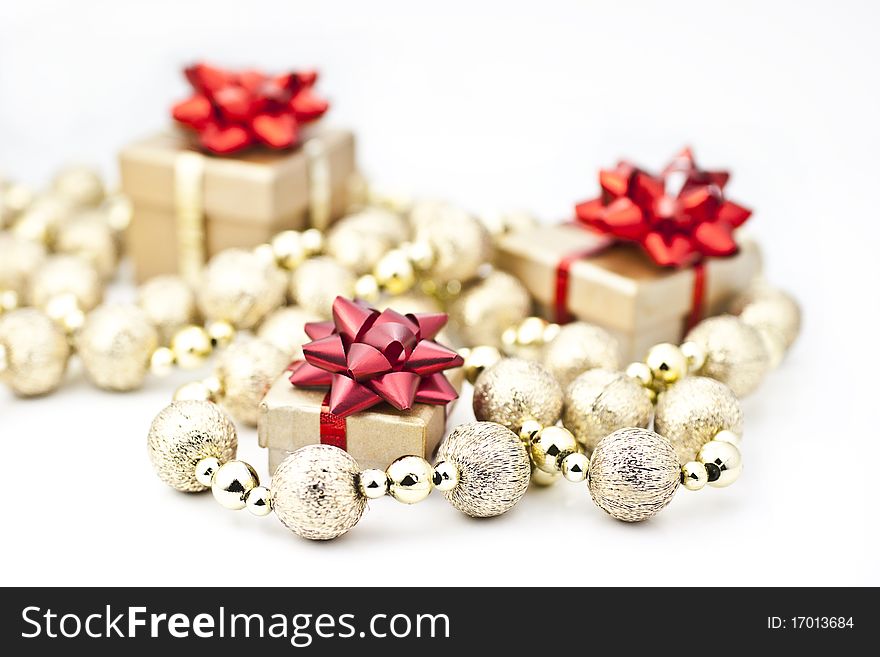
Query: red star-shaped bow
point(233, 110)
point(365, 357)
point(678, 217)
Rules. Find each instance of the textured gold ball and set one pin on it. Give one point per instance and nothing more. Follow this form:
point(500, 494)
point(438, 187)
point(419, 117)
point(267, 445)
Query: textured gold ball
point(373, 483)
point(232, 482)
point(493, 468)
point(575, 467)
point(580, 347)
point(20, 259)
point(191, 346)
point(359, 240)
point(240, 287)
point(285, 330)
point(258, 501)
point(88, 236)
point(14, 199)
point(205, 470)
point(549, 446)
point(169, 303)
point(394, 272)
point(666, 362)
point(478, 359)
point(81, 185)
point(420, 254)
point(694, 475)
point(288, 249)
point(316, 493)
point(41, 220)
point(634, 474)
point(765, 306)
point(410, 479)
point(599, 402)
point(194, 391)
point(513, 391)
point(184, 433)
point(317, 282)
point(115, 345)
point(66, 274)
point(487, 307)
point(35, 352)
point(735, 352)
point(723, 463)
point(246, 370)
point(445, 476)
point(459, 242)
point(693, 411)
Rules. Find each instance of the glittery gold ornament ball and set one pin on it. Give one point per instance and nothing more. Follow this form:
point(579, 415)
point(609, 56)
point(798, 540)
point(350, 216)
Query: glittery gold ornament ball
point(493, 468)
point(184, 433)
point(359, 240)
point(89, 236)
point(240, 287)
point(411, 302)
point(692, 411)
point(245, 370)
point(735, 352)
point(34, 352)
point(41, 220)
point(14, 199)
point(115, 345)
point(600, 401)
point(19, 259)
point(66, 274)
point(285, 329)
point(317, 282)
point(169, 302)
point(315, 492)
point(579, 347)
point(634, 474)
point(779, 313)
point(81, 185)
point(459, 242)
point(515, 390)
point(487, 307)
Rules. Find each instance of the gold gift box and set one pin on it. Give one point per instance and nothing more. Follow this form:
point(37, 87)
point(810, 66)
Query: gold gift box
point(619, 288)
point(290, 418)
point(189, 205)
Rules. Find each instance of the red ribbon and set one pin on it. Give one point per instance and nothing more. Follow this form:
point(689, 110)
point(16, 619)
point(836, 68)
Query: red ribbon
point(333, 431)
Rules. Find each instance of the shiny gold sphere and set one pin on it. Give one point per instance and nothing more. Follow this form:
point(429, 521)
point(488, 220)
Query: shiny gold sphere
point(313, 241)
point(359, 240)
point(232, 482)
point(528, 338)
point(316, 493)
point(694, 475)
point(65, 311)
point(544, 479)
point(285, 330)
point(445, 476)
point(221, 333)
point(727, 436)
point(288, 249)
point(118, 209)
point(479, 359)
point(549, 446)
point(373, 483)
point(765, 306)
point(641, 373)
point(366, 287)
point(239, 287)
point(81, 185)
point(459, 242)
point(184, 433)
point(695, 355)
point(420, 254)
point(667, 363)
point(599, 402)
point(580, 347)
point(191, 346)
point(575, 467)
point(723, 463)
point(169, 303)
point(513, 391)
point(115, 345)
point(88, 236)
point(205, 470)
point(410, 479)
point(19, 259)
point(394, 272)
point(693, 411)
point(258, 501)
point(246, 369)
point(162, 362)
point(488, 306)
point(9, 300)
point(634, 474)
point(493, 468)
point(528, 430)
point(735, 352)
point(66, 274)
point(317, 282)
point(35, 352)
point(41, 220)
point(194, 391)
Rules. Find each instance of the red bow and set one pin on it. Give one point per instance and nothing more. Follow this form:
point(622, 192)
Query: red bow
point(678, 217)
point(231, 111)
point(366, 357)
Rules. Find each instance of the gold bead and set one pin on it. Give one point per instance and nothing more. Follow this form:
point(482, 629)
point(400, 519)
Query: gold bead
point(409, 479)
point(478, 360)
point(529, 429)
point(667, 363)
point(394, 273)
point(64, 310)
point(641, 373)
point(373, 483)
point(169, 303)
point(695, 355)
point(35, 352)
point(288, 249)
point(486, 307)
point(359, 240)
point(764, 306)
point(694, 475)
point(214, 387)
point(266, 255)
point(544, 479)
point(220, 332)
point(723, 463)
point(735, 352)
point(526, 338)
point(191, 346)
point(193, 391)
point(246, 369)
point(40, 221)
point(162, 362)
point(205, 470)
point(549, 446)
point(460, 243)
point(118, 210)
point(313, 241)
point(420, 254)
point(81, 185)
point(258, 501)
point(232, 482)
point(579, 347)
point(575, 467)
point(513, 391)
point(367, 288)
point(445, 476)
point(728, 436)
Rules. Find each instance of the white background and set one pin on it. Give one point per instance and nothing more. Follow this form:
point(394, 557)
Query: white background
point(492, 105)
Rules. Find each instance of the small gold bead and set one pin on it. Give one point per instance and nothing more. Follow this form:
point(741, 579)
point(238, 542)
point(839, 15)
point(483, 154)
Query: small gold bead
point(695, 355)
point(313, 241)
point(445, 476)
point(640, 372)
point(728, 436)
point(531, 331)
point(544, 479)
point(288, 249)
point(162, 362)
point(193, 391)
point(367, 288)
point(60, 305)
point(214, 386)
point(420, 254)
point(205, 470)
point(191, 346)
point(394, 273)
point(550, 446)
point(478, 360)
point(232, 482)
point(551, 331)
point(265, 254)
point(258, 501)
point(694, 475)
point(118, 210)
point(8, 301)
point(723, 463)
point(410, 479)
point(575, 467)
point(529, 430)
point(220, 332)
point(668, 364)
point(373, 483)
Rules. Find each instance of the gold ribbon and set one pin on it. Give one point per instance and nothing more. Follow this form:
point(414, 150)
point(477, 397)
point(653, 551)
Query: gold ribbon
point(320, 190)
point(189, 207)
